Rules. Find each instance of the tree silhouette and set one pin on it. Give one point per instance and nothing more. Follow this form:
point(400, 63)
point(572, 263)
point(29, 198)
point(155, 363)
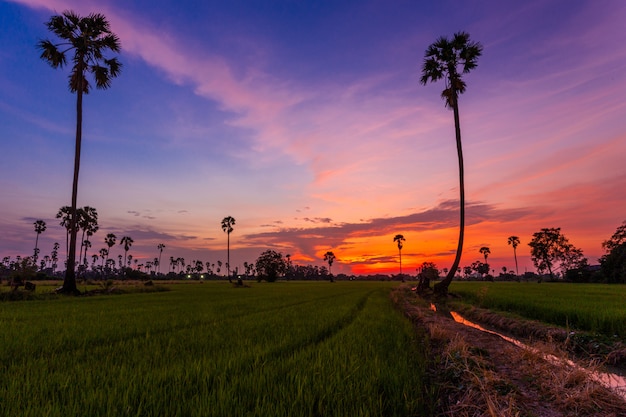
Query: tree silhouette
point(87, 219)
point(485, 251)
point(65, 214)
point(110, 240)
point(400, 239)
point(443, 60)
point(227, 226)
point(613, 262)
point(549, 246)
point(160, 247)
point(514, 241)
point(40, 227)
point(330, 258)
point(127, 241)
point(88, 38)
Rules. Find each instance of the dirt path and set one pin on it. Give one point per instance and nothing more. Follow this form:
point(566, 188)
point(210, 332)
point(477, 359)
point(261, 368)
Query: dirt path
point(480, 374)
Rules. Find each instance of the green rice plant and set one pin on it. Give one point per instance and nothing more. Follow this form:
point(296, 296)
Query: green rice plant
point(590, 307)
point(282, 349)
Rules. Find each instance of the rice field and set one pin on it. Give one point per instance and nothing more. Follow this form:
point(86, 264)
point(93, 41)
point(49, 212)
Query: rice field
point(598, 308)
point(282, 349)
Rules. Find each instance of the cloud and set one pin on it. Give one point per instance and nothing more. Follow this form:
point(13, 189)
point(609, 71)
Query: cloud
point(443, 216)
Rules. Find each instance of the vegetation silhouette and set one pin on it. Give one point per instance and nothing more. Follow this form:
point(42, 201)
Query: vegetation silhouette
point(227, 226)
point(330, 258)
point(442, 61)
point(613, 262)
point(40, 227)
point(514, 241)
point(549, 247)
point(88, 38)
point(399, 239)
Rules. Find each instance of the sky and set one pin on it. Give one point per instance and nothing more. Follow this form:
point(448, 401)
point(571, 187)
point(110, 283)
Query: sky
point(306, 122)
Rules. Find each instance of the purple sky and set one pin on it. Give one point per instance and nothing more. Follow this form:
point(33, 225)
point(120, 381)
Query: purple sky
point(306, 122)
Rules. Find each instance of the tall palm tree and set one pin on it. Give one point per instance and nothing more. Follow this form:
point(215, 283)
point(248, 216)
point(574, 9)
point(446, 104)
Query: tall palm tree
point(87, 38)
point(400, 239)
point(330, 258)
point(40, 227)
point(443, 60)
point(127, 241)
point(227, 226)
point(514, 241)
point(160, 247)
point(485, 252)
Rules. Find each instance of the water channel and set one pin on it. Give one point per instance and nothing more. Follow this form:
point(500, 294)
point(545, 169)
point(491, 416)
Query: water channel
point(613, 381)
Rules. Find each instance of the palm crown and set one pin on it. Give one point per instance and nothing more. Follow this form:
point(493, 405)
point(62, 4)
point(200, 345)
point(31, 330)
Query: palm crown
point(89, 37)
point(444, 59)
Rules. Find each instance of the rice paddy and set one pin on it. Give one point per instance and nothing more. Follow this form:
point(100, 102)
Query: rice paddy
point(598, 308)
point(283, 349)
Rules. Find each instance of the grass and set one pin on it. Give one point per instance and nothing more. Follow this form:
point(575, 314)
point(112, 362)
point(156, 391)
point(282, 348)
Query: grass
point(283, 349)
point(597, 308)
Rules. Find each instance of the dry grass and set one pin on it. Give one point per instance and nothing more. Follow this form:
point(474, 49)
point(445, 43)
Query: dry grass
point(477, 376)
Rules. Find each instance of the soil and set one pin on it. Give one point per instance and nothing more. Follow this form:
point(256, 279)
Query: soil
point(493, 377)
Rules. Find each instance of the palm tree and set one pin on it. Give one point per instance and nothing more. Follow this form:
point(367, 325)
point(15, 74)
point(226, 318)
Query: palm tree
point(110, 242)
point(127, 241)
point(400, 239)
point(227, 226)
point(88, 222)
point(160, 247)
point(40, 227)
point(65, 214)
point(443, 60)
point(514, 241)
point(485, 251)
point(330, 258)
point(88, 38)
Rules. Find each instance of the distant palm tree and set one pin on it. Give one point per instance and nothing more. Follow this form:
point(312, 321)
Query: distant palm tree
point(443, 60)
point(65, 214)
point(330, 258)
point(40, 227)
point(400, 239)
point(88, 223)
point(160, 247)
point(110, 240)
point(88, 38)
point(485, 251)
point(104, 253)
point(127, 241)
point(227, 226)
point(514, 241)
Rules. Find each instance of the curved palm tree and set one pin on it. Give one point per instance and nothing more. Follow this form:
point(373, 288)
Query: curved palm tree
point(87, 38)
point(485, 252)
point(40, 227)
point(400, 239)
point(227, 226)
point(330, 258)
point(514, 241)
point(443, 60)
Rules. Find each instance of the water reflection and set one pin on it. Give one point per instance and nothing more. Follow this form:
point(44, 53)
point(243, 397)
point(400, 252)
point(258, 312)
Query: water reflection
point(615, 382)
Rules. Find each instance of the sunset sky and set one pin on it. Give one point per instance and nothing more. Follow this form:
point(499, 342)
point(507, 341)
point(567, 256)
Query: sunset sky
point(307, 123)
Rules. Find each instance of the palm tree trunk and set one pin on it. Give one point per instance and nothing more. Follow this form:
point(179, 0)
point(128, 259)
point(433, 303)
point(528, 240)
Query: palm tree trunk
point(69, 283)
point(228, 256)
point(515, 256)
point(441, 288)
